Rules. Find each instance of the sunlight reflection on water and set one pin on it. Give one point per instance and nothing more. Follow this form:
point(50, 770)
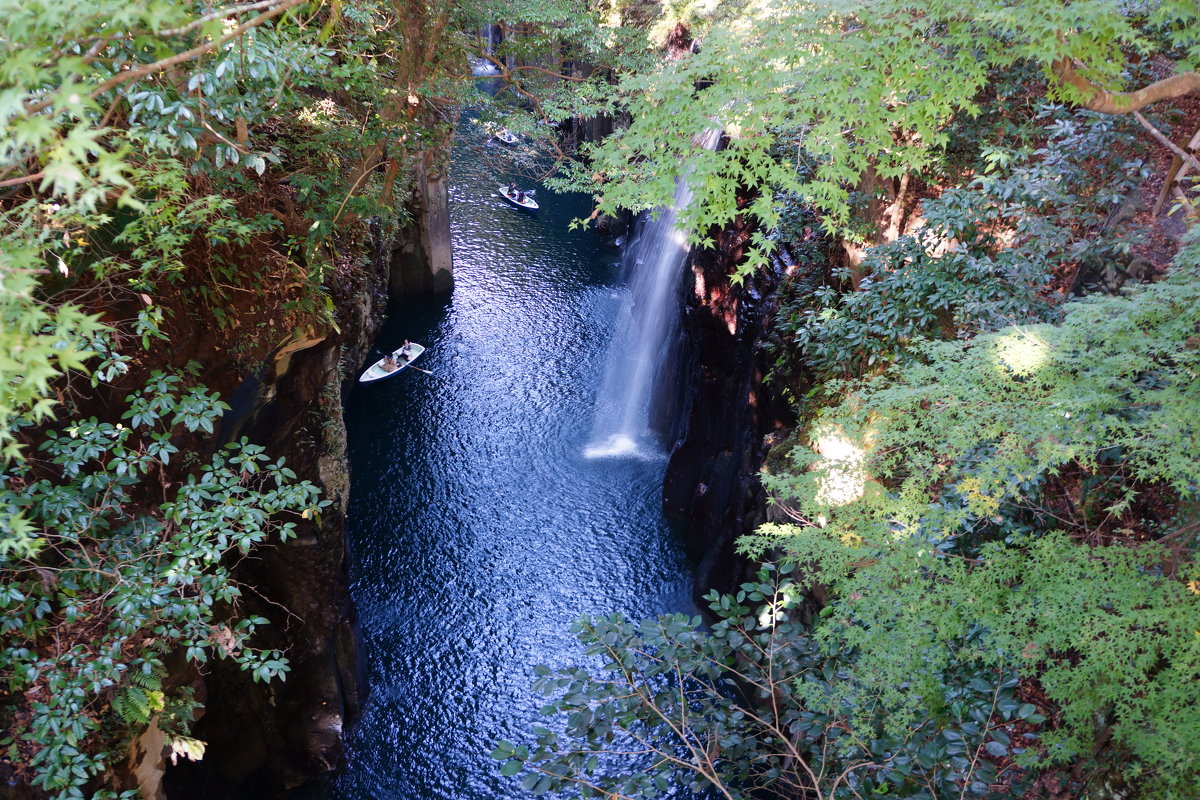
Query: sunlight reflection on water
point(479, 528)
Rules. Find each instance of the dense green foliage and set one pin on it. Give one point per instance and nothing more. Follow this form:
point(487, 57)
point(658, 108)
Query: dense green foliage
point(984, 527)
point(845, 89)
point(88, 111)
point(754, 702)
point(984, 258)
point(129, 129)
point(126, 583)
point(936, 509)
point(173, 176)
point(965, 522)
point(36, 345)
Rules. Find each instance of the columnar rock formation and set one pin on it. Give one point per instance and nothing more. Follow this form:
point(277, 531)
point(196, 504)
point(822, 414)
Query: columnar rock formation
point(712, 478)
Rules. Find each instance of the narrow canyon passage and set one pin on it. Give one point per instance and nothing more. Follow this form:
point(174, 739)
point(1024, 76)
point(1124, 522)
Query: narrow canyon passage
point(479, 527)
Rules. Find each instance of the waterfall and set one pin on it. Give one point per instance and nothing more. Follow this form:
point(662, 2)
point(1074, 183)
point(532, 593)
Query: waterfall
point(489, 36)
point(641, 349)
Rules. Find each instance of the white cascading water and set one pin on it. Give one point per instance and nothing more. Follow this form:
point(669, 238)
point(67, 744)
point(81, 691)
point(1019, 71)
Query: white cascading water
point(489, 36)
point(645, 331)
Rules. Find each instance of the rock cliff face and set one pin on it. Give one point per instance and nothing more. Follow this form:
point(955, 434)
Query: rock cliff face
point(264, 738)
point(712, 477)
point(422, 260)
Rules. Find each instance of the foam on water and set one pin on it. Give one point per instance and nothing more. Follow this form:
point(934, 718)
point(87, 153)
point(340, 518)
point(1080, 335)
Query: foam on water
point(619, 446)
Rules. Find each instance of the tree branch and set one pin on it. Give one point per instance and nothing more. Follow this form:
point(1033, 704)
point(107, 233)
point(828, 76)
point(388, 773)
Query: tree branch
point(178, 58)
point(1161, 137)
point(23, 179)
point(1107, 102)
point(218, 14)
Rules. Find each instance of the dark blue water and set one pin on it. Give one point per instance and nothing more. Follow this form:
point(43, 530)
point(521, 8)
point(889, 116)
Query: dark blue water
point(478, 530)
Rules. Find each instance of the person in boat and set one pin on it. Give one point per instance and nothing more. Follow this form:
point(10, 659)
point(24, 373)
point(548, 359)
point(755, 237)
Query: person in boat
point(520, 196)
point(406, 351)
point(389, 363)
point(512, 188)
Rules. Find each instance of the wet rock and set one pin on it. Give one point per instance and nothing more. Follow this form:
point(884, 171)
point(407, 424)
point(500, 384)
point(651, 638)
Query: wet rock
point(712, 476)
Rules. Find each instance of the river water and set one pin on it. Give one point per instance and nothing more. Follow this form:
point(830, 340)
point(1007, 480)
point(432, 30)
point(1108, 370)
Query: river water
point(478, 529)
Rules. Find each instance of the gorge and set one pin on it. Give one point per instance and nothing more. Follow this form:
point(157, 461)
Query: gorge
point(482, 523)
point(887, 487)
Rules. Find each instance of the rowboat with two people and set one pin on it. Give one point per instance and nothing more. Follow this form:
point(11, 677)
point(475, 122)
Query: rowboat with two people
point(393, 363)
point(518, 197)
point(506, 136)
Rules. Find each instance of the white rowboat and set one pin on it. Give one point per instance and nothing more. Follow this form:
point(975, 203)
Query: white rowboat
point(528, 202)
point(378, 371)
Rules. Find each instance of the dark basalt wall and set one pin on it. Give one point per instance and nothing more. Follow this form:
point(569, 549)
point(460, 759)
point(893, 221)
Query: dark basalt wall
point(266, 737)
point(712, 477)
point(422, 257)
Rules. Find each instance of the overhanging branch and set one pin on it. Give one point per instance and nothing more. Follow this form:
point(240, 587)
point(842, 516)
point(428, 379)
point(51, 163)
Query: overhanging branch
point(178, 58)
point(1107, 102)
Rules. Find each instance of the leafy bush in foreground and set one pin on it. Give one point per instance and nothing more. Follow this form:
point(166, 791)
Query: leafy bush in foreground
point(1000, 530)
point(107, 571)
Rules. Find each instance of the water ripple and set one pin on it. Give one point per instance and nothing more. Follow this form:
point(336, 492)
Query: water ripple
point(478, 529)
